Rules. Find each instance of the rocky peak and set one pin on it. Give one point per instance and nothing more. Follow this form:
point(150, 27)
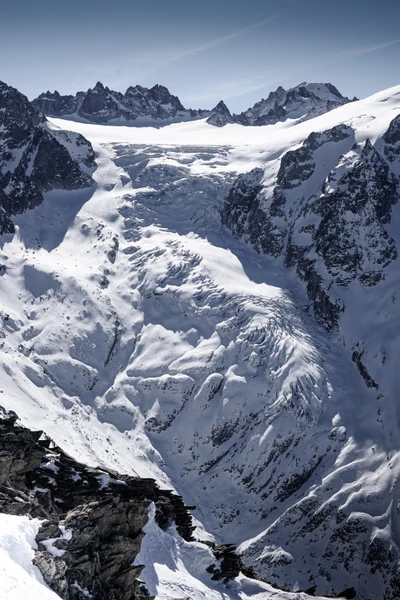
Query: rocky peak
point(162, 95)
point(17, 116)
point(98, 100)
point(220, 115)
point(54, 104)
point(304, 101)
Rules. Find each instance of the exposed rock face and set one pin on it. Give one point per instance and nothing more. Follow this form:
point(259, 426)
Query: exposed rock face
point(100, 104)
point(304, 101)
point(328, 224)
point(35, 159)
point(93, 518)
point(220, 115)
point(230, 565)
point(392, 141)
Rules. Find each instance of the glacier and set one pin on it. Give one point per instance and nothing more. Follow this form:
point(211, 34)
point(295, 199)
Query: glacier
point(142, 336)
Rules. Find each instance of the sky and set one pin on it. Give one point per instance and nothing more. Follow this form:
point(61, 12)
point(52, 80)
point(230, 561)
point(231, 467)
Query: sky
point(204, 50)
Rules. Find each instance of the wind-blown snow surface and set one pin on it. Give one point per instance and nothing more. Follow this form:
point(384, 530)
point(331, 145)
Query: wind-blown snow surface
point(141, 336)
point(19, 579)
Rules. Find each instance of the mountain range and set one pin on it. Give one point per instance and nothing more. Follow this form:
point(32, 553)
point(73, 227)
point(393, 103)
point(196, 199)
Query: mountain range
point(198, 348)
point(140, 105)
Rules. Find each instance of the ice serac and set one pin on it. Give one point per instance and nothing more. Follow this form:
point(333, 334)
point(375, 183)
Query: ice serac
point(35, 158)
point(303, 102)
point(220, 115)
point(100, 104)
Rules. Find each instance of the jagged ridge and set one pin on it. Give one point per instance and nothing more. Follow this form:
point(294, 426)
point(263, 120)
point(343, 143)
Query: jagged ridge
point(100, 105)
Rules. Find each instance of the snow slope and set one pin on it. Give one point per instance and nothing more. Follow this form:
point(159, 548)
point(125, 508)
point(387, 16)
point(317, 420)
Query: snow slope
point(141, 336)
point(18, 577)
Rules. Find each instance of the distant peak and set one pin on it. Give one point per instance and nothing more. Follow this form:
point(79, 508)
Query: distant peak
point(221, 106)
point(220, 115)
point(160, 88)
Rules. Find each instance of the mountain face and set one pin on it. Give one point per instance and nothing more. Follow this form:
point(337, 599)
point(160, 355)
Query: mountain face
point(34, 158)
point(304, 101)
point(100, 105)
point(218, 318)
point(328, 224)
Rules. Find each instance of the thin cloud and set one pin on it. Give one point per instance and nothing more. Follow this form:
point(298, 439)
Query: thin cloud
point(255, 88)
point(379, 47)
point(347, 54)
point(214, 43)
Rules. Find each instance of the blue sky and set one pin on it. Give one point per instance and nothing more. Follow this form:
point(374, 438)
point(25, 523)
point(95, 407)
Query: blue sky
point(203, 51)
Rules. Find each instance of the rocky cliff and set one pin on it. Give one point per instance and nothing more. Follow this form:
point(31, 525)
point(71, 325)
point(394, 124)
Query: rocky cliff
point(35, 158)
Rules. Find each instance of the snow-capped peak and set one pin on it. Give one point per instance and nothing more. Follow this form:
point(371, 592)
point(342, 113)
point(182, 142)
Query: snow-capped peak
point(304, 101)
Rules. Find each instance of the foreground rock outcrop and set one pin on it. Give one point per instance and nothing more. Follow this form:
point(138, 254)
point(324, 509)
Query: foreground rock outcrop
point(93, 519)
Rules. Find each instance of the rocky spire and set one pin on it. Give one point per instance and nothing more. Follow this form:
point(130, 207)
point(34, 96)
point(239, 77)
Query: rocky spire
point(220, 115)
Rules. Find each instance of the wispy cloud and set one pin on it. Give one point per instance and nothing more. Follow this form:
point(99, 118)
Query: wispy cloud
point(362, 51)
point(375, 48)
point(255, 87)
point(214, 43)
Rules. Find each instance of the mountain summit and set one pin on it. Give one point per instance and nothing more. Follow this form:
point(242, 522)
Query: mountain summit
point(220, 115)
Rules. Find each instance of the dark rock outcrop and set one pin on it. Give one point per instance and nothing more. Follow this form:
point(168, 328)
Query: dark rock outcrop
point(391, 139)
point(229, 564)
point(35, 159)
point(93, 519)
point(220, 115)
